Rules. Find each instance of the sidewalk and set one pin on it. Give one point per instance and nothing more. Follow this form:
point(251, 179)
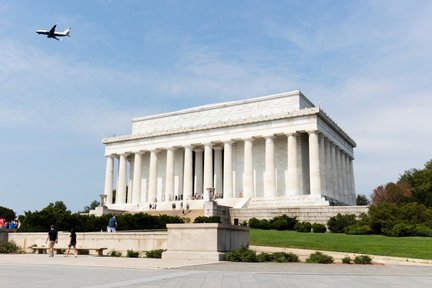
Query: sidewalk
point(40, 271)
point(149, 263)
point(99, 261)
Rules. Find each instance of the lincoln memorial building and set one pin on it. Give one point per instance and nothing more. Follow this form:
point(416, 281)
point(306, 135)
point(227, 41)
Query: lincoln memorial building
point(274, 151)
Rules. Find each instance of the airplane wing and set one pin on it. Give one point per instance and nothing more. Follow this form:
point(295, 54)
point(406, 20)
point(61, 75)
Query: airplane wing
point(52, 31)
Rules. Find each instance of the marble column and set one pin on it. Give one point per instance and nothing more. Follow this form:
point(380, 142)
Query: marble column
point(292, 179)
point(121, 191)
point(248, 177)
point(322, 165)
point(208, 166)
point(343, 176)
point(348, 180)
point(136, 186)
point(338, 175)
point(351, 171)
point(187, 173)
point(129, 186)
point(198, 183)
point(217, 180)
point(335, 180)
point(314, 163)
point(153, 176)
point(109, 175)
point(328, 167)
point(270, 175)
point(227, 171)
point(169, 181)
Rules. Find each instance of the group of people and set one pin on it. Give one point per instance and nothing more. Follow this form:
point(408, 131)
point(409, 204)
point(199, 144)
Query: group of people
point(152, 206)
point(13, 224)
point(53, 239)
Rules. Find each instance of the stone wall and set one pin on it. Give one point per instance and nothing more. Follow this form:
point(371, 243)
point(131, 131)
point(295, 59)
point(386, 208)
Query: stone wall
point(3, 236)
point(312, 214)
point(119, 241)
point(208, 241)
point(211, 208)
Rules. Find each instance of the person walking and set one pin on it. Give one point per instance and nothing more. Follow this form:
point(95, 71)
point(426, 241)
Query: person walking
point(53, 239)
point(72, 243)
point(112, 224)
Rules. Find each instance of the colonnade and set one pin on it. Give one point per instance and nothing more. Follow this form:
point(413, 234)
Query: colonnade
point(330, 171)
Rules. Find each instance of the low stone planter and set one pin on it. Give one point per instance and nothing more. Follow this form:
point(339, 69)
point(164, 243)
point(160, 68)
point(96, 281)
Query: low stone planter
point(204, 241)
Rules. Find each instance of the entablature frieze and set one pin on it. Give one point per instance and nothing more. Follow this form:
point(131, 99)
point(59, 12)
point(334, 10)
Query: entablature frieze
point(221, 124)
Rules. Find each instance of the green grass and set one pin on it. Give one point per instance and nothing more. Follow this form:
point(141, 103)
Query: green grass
point(409, 247)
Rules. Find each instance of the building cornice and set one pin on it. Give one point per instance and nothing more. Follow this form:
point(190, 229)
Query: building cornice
point(336, 127)
point(220, 124)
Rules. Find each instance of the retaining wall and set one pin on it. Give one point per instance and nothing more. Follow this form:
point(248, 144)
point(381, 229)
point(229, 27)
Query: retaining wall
point(119, 241)
point(312, 214)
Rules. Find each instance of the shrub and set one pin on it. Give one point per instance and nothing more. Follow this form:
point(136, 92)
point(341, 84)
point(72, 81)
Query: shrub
point(319, 257)
point(358, 229)
point(338, 223)
point(284, 257)
point(9, 248)
point(398, 229)
point(114, 253)
point(244, 223)
point(303, 227)
point(241, 255)
point(280, 257)
point(279, 224)
point(283, 222)
point(264, 257)
point(422, 230)
point(346, 260)
point(264, 224)
point(362, 259)
point(318, 228)
point(254, 223)
point(64, 220)
point(404, 229)
point(156, 253)
point(209, 219)
point(132, 254)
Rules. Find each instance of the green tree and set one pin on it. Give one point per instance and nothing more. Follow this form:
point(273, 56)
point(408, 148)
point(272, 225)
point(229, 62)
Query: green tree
point(420, 183)
point(362, 200)
point(92, 206)
point(7, 213)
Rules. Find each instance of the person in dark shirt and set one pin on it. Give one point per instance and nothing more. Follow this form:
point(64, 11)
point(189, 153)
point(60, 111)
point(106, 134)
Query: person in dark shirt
point(72, 243)
point(53, 239)
point(112, 224)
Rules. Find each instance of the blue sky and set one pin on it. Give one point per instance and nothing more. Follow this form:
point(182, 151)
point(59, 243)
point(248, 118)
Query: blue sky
point(368, 63)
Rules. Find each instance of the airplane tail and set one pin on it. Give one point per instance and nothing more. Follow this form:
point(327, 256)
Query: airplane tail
point(67, 32)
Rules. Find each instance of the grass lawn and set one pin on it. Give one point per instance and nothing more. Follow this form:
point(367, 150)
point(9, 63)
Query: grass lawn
point(410, 247)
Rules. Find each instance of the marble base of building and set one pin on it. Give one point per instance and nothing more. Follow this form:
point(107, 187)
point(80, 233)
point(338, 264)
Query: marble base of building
point(312, 214)
point(207, 241)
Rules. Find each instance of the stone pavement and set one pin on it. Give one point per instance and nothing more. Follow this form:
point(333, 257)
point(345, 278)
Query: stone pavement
point(38, 270)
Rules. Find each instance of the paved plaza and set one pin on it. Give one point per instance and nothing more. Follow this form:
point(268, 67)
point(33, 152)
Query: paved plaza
point(36, 270)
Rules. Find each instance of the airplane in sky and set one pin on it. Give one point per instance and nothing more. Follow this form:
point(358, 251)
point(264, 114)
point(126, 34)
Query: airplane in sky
point(52, 34)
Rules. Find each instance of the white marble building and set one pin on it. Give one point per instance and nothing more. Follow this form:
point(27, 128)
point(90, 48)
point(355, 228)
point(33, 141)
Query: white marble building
point(277, 150)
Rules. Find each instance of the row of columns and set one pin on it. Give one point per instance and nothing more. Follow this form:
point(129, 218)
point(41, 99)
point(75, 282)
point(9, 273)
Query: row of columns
point(330, 171)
